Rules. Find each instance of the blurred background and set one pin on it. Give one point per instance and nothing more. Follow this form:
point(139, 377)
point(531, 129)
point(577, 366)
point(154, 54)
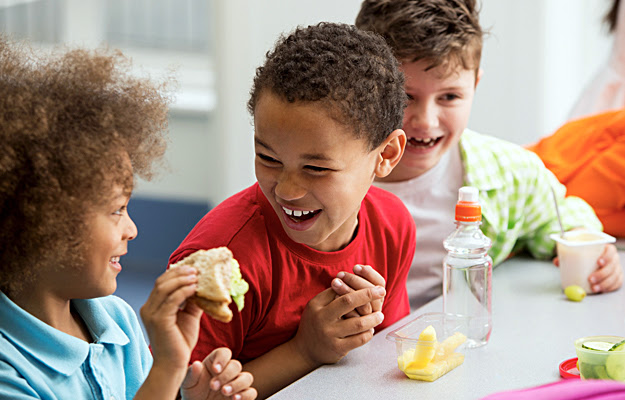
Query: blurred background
point(537, 58)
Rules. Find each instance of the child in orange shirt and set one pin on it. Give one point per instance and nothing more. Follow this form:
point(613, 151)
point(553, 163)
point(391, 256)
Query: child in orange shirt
point(588, 157)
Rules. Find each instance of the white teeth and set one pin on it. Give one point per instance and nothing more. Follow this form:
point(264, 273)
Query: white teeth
point(114, 259)
point(296, 213)
point(429, 142)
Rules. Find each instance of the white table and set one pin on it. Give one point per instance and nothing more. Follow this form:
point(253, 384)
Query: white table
point(534, 328)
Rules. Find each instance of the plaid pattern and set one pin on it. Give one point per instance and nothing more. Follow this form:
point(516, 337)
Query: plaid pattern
point(517, 204)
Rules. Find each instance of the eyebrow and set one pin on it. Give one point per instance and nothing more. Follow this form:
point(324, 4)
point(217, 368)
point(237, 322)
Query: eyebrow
point(307, 156)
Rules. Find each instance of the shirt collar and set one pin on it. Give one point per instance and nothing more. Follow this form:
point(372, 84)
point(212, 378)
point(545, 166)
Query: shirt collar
point(58, 350)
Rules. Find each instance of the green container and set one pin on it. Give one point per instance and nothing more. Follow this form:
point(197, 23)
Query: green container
point(600, 364)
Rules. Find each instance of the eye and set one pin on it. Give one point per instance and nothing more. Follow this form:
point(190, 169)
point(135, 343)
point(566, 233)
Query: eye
point(450, 97)
point(409, 97)
point(314, 168)
point(266, 159)
point(120, 211)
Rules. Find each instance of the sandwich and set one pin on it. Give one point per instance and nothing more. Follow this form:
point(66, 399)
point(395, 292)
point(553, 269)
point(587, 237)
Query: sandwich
point(219, 281)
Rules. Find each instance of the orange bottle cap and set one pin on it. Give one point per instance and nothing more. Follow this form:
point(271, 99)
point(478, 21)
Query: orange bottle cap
point(468, 211)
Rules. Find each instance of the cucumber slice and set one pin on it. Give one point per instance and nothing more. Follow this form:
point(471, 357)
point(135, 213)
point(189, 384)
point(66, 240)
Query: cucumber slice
point(615, 367)
point(587, 371)
point(601, 373)
point(620, 346)
point(601, 346)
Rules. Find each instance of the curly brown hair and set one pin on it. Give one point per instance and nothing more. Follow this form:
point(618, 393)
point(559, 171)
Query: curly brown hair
point(69, 122)
point(444, 33)
point(352, 73)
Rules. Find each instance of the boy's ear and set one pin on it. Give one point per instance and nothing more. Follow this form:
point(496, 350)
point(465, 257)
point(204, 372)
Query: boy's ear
point(391, 151)
point(478, 76)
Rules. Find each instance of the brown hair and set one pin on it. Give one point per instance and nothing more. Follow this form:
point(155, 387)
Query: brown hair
point(352, 73)
point(443, 32)
point(69, 123)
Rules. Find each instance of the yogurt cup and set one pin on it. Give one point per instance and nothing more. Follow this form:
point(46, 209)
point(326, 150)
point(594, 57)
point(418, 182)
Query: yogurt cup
point(578, 252)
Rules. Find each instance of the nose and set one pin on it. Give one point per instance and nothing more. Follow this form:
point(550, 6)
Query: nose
point(289, 186)
point(130, 229)
point(422, 116)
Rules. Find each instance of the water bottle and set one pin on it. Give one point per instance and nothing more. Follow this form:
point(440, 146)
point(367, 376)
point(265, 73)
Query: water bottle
point(467, 270)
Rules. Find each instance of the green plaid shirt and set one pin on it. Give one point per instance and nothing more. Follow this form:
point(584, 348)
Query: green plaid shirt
point(515, 195)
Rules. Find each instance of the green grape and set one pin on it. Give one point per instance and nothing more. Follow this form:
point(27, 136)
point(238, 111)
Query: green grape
point(575, 293)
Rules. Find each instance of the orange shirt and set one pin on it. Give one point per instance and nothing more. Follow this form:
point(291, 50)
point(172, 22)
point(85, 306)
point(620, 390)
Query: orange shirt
point(588, 157)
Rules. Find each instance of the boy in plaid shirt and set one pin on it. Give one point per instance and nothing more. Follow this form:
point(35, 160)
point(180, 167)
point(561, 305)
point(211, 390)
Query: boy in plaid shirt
point(439, 44)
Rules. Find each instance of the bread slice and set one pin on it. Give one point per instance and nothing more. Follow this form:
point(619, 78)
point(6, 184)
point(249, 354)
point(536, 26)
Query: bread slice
point(214, 268)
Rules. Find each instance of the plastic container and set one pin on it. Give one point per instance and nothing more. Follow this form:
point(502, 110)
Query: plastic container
point(407, 341)
point(578, 252)
point(467, 270)
point(600, 364)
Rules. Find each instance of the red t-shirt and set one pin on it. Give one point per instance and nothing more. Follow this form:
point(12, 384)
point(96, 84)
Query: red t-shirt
point(284, 275)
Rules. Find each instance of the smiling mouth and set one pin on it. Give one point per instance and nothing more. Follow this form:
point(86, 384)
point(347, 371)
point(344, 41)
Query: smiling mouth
point(114, 259)
point(427, 142)
point(300, 215)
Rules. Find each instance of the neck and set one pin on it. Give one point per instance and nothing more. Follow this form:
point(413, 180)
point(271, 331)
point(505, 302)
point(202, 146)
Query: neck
point(52, 310)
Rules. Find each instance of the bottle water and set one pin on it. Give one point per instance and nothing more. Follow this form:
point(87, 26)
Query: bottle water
point(467, 270)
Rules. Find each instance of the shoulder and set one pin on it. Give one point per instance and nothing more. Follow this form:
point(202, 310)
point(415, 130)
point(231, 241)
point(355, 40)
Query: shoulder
point(384, 210)
point(115, 307)
point(383, 198)
point(479, 145)
point(100, 309)
point(490, 161)
point(236, 219)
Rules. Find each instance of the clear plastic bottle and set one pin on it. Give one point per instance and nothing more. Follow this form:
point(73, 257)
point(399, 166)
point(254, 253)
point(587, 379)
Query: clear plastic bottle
point(467, 270)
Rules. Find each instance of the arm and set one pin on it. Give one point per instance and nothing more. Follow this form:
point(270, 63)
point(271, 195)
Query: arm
point(172, 330)
point(540, 218)
point(172, 324)
point(323, 337)
point(576, 213)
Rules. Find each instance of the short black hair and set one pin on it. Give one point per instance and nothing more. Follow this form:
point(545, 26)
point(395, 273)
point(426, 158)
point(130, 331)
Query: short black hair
point(352, 73)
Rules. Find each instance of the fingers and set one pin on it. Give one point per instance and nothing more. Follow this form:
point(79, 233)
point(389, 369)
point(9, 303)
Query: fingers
point(609, 275)
point(339, 286)
point(171, 289)
point(364, 277)
point(355, 299)
point(194, 375)
point(371, 275)
point(235, 380)
point(228, 377)
point(216, 361)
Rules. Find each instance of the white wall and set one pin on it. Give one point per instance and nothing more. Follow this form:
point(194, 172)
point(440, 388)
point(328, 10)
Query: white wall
point(537, 58)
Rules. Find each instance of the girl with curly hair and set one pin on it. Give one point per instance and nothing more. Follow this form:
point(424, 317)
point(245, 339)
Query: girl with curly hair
point(75, 128)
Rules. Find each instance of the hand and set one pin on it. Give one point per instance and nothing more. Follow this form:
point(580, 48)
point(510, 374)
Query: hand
point(609, 274)
point(216, 377)
point(364, 277)
point(324, 337)
point(172, 325)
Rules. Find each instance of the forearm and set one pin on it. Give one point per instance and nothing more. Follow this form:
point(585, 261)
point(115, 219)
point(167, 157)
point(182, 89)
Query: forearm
point(278, 368)
point(161, 383)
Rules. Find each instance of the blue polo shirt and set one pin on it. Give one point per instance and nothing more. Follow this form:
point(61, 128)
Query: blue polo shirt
point(38, 361)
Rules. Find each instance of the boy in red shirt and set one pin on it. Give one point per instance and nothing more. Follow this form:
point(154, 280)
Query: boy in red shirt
point(327, 107)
